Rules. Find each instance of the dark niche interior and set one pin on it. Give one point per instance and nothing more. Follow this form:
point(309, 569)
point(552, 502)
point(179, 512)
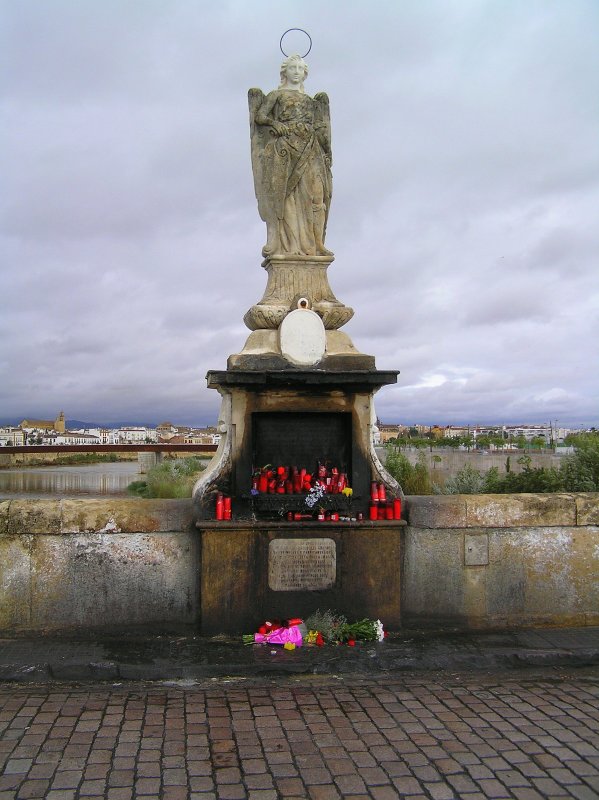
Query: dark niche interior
point(302, 439)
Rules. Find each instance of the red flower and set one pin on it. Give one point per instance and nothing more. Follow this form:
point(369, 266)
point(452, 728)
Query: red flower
point(351, 642)
point(319, 640)
point(263, 629)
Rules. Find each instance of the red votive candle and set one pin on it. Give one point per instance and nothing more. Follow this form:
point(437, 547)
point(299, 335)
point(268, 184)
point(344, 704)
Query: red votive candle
point(220, 506)
point(389, 511)
point(373, 511)
point(397, 508)
point(382, 493)
point(374, 492)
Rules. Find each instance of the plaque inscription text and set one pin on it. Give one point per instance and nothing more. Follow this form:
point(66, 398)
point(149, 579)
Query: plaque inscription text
point(296, 564)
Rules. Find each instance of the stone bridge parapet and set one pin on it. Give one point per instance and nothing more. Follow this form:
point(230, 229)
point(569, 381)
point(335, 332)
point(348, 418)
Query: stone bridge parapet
point(463, 561)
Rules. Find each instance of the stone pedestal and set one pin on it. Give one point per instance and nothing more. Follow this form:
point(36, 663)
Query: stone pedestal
point(289, 279)
point(239, 568)
point(297, 281)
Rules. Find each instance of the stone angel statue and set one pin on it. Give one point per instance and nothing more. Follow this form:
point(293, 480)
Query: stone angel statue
point(291, 161)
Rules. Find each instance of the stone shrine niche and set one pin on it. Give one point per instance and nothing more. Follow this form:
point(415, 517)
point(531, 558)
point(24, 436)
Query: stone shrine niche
point(302, 439)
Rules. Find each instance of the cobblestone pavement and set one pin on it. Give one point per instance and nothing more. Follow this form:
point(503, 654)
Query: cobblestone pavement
point(437, 736)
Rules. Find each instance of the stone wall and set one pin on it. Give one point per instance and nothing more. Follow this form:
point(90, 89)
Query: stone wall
point(485, 561)
point(78, 564)
point(473, 561)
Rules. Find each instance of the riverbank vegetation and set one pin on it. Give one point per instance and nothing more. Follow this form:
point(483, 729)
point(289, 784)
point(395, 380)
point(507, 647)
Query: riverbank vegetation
point(578, 472)
point(173, 478)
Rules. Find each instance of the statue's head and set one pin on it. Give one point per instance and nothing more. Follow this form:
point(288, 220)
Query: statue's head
point(294, 72)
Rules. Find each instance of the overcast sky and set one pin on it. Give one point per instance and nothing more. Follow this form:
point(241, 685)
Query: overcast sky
point(464, 219)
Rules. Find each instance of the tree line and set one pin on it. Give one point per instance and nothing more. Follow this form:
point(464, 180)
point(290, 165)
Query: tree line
point(578, 472)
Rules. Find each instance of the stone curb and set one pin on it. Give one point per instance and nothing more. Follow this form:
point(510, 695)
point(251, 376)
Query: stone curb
point(366, 659)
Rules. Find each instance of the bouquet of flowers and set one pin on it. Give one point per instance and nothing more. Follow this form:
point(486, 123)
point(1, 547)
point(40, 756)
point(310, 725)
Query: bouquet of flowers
point(320, 628)
point(289, 633)
point(327, 627)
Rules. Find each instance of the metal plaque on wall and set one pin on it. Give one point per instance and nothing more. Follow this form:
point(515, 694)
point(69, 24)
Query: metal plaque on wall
point(296, 564)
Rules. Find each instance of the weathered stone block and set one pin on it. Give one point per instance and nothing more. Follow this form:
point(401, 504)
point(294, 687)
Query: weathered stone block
point(34, 516)
point(14, 581)
point(119, 515)
point(433, 588)
point(436, 512)
point(534, 576)
point(587, 508)
point(542, 575)
point(4, 511)
point(519, 510)
point(101, 579)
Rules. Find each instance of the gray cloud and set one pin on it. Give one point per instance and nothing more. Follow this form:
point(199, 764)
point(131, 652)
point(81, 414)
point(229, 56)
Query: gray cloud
point(466, 169)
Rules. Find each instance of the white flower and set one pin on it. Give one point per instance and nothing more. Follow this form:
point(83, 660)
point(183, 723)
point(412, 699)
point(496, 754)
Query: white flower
point(314, 495)
point(380, 632)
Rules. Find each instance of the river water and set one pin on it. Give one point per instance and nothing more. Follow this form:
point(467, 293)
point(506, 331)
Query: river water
point(85, 480)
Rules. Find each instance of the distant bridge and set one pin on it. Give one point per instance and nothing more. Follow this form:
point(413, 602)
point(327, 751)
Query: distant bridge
point(163, 447)
point(148, 455)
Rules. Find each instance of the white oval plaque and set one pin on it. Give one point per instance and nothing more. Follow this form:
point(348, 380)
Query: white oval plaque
point(302, 337)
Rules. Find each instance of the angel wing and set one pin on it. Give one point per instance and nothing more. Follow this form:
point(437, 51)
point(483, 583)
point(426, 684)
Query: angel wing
point(255, 99)
point(322, 126)
point(322, 122)
point(270, 164)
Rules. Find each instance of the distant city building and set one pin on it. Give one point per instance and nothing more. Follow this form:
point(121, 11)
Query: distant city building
point(389, 432)
point(72, 437)
point(136, 435)
point(12, 437)
point(105, 435)
point(166, 430)
point(202, 437)
point(57, 424)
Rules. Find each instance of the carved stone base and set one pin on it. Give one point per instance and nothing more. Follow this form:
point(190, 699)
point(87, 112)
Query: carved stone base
point(262, 351)
point(292, 277)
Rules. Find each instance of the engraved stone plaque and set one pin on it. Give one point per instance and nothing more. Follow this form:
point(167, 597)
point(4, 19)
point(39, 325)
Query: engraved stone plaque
point(297, 564)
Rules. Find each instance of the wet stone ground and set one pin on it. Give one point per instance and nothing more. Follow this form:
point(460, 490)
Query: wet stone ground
point(524, 735)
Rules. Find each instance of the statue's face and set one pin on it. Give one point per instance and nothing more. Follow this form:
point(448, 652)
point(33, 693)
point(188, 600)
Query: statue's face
point(294, 73)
